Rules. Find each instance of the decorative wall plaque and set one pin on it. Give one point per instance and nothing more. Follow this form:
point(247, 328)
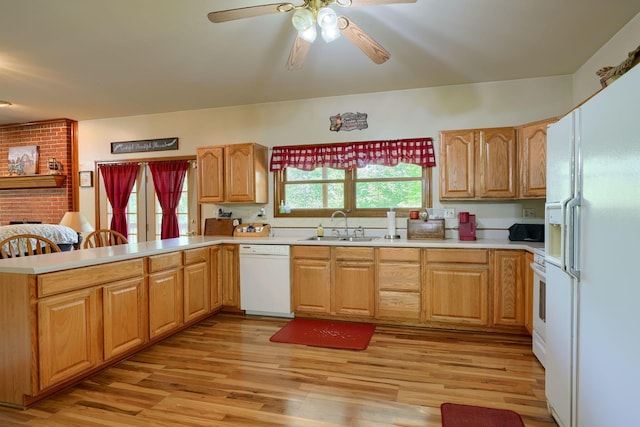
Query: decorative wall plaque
point(348, 121)
point(144, 145)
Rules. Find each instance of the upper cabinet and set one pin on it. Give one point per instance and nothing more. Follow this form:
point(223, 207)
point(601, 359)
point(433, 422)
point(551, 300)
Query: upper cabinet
point(478, 164)
point(532, 159)
point(232, 173)
point(493, 164)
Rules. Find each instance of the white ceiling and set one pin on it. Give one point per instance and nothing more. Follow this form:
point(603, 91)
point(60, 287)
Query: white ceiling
point(88, 59)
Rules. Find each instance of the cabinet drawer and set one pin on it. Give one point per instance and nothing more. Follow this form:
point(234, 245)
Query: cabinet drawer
point(399, 254)
point(165, 261)
point(399, 277)
point(469, 256)
point(398, 305)
point(193, 256)
point(314, 252)
point(343, 253)
point(63, 281)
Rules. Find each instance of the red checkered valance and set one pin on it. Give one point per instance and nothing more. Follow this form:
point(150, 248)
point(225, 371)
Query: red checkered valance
point(351, 155)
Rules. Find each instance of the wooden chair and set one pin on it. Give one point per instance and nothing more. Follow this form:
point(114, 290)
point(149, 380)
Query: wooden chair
point(26, 245)
point(99, 238)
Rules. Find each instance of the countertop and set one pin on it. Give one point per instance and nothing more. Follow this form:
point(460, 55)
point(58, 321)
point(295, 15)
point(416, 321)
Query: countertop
point(40, 264)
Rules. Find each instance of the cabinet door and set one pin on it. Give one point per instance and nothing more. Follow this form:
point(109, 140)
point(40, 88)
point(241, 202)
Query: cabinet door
point(353, 281)
point(528, 293)
point(196, 291)
point(210, 174)
point(239, 173)
point(532, 159)
point(124, 316)
point(457, 294)
point(230, 277)
point(457, 164)
point(215, 274)
point(508, 289)
point(69, 334)
point(399, 284)
point(165, 302)
point(496, 163)
point(311, 285)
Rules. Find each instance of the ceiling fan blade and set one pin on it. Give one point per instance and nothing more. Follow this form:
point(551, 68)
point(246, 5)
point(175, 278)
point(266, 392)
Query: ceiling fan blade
point(365, 43)
point(248, 12)
point(359, 3)
point(298, 53)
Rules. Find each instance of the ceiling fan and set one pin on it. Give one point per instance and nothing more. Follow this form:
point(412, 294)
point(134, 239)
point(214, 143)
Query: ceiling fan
point(304, 19)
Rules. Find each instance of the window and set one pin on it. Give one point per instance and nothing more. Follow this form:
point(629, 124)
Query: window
point(361, 178)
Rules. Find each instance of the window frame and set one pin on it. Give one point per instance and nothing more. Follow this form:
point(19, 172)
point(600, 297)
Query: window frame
point(350, 182)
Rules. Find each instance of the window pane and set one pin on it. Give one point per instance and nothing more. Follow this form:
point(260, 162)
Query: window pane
point(315, 196)
point(403, 170)
point(390, 194)
point(316, 174)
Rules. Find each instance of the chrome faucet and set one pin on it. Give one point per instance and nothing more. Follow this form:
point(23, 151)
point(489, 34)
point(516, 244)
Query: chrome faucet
point(346, 226)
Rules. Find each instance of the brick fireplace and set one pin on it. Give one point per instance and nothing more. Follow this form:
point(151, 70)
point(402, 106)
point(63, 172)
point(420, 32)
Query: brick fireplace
point(54, 138)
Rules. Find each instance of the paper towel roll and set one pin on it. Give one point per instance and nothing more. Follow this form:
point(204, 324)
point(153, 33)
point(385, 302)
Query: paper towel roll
point(391, 223)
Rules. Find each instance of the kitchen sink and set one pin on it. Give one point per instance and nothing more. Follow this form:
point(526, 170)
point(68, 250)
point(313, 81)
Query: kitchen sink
point(341, 239)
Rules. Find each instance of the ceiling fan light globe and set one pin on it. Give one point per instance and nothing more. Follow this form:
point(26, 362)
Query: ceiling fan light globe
point(330, 34)
point(327, 18)
point(302, 19)
point(308, 35)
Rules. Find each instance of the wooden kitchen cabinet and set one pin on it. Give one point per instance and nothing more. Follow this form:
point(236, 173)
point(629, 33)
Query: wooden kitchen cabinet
point(398, 284)
point(457, 287)
point(235, 173)
point(478, 164)
point(311, 279)
point(532, 159)
point(230, 267)
point(528, 292)
point(69, 335)
point(508, 288)
point(125, 322)
point(165, 294)
point(215, 272)
point(354, 279)
point(196, 281)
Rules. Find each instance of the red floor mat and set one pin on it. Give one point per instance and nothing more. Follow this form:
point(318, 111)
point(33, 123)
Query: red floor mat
point(325, 333)
point(454, 415)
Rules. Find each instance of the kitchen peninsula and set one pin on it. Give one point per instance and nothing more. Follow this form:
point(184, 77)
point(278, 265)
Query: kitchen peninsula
point(67, 315)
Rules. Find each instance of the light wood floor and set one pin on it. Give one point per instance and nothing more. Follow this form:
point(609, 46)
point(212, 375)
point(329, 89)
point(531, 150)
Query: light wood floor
point(225, 372)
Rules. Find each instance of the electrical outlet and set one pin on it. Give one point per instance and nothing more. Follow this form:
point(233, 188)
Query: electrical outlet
point(449, 213)
point(528, 213)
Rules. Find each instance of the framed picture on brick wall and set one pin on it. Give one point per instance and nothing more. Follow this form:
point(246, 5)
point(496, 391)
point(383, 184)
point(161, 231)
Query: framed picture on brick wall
point(23, 160)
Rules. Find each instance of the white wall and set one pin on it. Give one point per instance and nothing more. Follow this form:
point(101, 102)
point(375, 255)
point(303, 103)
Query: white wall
point(616, 50)
point(391, 115)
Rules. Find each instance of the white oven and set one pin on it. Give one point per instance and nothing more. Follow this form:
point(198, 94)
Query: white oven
point(539, 309)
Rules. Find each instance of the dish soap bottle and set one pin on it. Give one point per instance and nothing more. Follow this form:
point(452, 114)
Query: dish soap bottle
point(281, 206)
point(320, 231)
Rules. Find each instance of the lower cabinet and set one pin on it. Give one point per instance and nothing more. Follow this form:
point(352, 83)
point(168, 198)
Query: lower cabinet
point(230, 268)
point(165, 293)
point(354, 278)
point(528, 292)
point(311, 279)
point(69, 335)
point(457, 287)
point(124, 320)
point(508, 288)
point(197, 288)
point(333, 281)
point(215, 278)
point(398, 284)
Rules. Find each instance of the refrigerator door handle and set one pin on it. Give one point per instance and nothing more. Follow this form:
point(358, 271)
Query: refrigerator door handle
point(572, 245)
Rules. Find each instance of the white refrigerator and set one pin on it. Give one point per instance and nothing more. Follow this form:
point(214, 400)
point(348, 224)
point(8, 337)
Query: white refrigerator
point(592, 259)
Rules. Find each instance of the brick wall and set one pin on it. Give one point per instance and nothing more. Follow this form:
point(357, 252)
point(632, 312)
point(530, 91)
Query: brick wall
point(48, 205)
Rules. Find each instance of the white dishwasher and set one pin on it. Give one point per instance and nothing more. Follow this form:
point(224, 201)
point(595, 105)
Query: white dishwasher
point(265, 285)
